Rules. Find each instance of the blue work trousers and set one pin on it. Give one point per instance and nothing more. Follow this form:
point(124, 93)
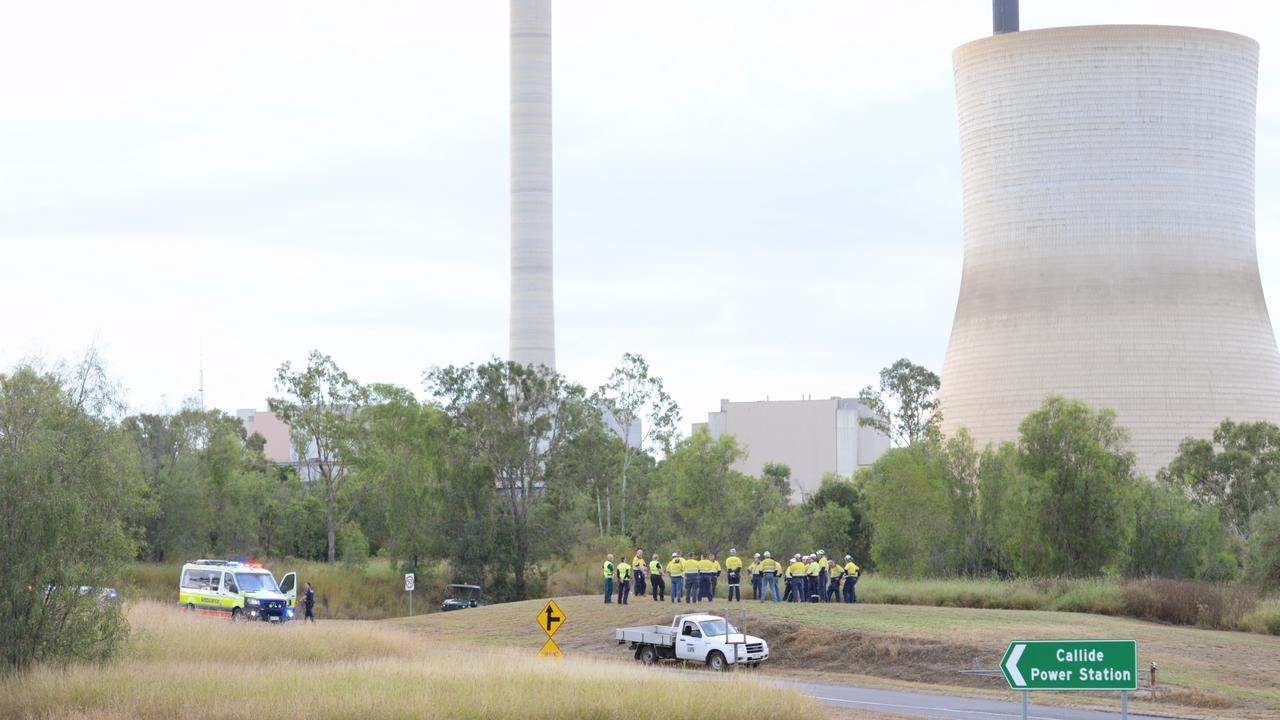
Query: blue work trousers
point(608, 590)
point(770, 583)
point(850, 589)
point(677, 587)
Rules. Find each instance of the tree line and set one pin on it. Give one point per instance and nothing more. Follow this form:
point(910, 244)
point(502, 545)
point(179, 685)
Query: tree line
point(496, 469)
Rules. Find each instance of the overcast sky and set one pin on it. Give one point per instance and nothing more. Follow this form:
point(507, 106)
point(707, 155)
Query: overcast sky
point(761, 197)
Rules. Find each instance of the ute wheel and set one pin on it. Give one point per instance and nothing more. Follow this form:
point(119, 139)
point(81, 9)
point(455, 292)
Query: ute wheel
point(755, 666)
point(191, 608)
point(716, 661)
point(648, 655)
point(235, 615)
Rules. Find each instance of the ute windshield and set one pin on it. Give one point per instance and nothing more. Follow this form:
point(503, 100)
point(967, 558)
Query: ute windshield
point(716, 627)
point(256, 582)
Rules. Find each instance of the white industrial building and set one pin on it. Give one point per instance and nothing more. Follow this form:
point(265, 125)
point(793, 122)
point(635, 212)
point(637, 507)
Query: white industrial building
point(1108, 182)
point(812, 437)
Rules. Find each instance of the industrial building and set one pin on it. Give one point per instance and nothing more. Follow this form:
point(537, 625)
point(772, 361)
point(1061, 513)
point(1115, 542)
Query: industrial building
point(812, 437)
point(1109, 250)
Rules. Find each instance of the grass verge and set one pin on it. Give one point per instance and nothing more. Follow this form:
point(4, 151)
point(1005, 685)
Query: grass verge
point(176, 664)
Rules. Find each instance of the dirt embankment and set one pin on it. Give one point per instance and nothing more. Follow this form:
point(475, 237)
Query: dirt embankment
point(793, 646)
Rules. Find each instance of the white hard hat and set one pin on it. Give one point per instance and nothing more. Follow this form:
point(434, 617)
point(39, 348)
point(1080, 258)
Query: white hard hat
point(733, 551)
point(757, 555)
point(822, 552)
point(675, 554)
point(848, 557)
point(766, 554)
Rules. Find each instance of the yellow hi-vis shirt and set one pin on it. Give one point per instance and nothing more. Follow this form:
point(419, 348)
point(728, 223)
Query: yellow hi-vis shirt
point(851, 568)
point(796, 569)
point(707, 566)
point(814, 568)
point(675, 568)
point(768, 565)
point(655, 568)
point(733, 562)
point(753, 568)
point(638, 563)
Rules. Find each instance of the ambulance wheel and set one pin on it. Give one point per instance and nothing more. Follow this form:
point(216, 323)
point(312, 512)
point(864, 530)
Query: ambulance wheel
point(716, 661)
point(235, 615)
point(648, 655)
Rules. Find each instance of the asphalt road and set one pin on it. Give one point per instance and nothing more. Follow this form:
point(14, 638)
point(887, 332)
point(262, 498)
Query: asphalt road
point(936, 705)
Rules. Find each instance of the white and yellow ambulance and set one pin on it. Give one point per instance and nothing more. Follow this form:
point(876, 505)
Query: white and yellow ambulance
point(240, 591)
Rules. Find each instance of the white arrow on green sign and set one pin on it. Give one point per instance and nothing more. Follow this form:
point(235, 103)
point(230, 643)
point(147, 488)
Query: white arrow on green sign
point(1071, 665)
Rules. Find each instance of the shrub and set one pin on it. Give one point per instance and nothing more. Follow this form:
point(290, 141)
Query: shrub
point(1262, 557)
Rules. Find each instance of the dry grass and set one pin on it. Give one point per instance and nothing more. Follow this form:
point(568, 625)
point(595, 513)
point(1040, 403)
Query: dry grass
point(177, 663)
point(902, 643)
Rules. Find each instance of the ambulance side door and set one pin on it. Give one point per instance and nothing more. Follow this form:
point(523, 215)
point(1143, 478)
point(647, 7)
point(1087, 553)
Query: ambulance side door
point(289, 587)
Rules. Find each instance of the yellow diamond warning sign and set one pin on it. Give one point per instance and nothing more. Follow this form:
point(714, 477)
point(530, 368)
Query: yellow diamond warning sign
point(550, 619)
point(550, 649)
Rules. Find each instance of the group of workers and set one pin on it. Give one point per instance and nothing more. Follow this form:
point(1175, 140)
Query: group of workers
point(695, 577)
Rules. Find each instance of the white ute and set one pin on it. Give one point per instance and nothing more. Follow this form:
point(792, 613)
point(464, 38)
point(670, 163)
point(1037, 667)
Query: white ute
point(701, 638)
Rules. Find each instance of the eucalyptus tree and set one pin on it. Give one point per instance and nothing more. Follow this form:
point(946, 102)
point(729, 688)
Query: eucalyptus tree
point(638, 403)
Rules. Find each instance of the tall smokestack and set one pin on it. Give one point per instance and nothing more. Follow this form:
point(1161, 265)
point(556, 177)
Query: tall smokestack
point(1004, 16)
point(533, 331)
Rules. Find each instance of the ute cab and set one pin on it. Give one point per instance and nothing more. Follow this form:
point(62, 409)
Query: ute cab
point(459, 596)
point(236, 590)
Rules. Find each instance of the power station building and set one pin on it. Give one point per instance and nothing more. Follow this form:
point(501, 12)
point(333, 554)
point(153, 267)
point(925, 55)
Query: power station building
point(1109, 250)
point(811, 437)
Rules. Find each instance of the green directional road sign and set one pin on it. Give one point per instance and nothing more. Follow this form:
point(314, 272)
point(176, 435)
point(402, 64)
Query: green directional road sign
point(1071, 665)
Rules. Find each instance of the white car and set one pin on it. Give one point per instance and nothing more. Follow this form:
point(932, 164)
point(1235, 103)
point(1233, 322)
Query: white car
point(703, 638)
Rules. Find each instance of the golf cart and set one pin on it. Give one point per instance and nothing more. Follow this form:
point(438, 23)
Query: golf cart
point(459, 596)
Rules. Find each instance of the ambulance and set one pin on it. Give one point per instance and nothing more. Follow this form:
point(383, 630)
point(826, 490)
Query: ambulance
point(236, 590)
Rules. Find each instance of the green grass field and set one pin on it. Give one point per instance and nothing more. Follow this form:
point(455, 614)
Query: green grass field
point(1200, 670)
point(177, 665)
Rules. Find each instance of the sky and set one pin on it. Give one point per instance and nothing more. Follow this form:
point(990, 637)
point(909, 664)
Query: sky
point(760, 197)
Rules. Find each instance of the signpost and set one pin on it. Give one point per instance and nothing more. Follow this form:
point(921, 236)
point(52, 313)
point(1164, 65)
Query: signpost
point(1072, 665)
point(408, 587)
point(550, 618)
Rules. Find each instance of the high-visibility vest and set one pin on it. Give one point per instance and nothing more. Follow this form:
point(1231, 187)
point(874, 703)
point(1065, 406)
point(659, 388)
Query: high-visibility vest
point(814, 568)
point(608, 569)
point(655, 568)
point(624, 570)
point(675, 568)
point(733, 562)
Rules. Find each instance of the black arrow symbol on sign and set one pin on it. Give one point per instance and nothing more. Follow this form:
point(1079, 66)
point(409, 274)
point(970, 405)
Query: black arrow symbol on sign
point(551, 619)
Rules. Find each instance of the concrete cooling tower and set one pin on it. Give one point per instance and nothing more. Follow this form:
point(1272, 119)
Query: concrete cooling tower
point(1109, 254)
point(533, 322)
